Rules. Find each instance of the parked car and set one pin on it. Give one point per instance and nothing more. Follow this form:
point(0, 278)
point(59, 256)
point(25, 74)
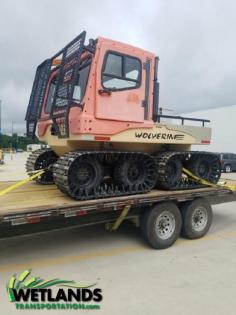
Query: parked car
point(1, 157)
point(228, 162)
point(19, 150)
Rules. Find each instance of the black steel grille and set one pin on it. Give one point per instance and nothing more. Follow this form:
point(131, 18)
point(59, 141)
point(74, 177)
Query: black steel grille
point(37, 96)
point(68, 68)
point(67, 79)
point(68, 72)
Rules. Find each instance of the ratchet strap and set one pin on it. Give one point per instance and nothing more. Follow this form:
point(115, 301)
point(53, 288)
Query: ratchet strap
point(205, 182)
point(126, 209)
point(35, 175)
point(120, 219)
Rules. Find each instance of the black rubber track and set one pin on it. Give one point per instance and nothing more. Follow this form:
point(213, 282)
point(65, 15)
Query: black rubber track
point(63, 173)
point(40, 159)
point(165, 172)
point(166, 180)
point(206, 166)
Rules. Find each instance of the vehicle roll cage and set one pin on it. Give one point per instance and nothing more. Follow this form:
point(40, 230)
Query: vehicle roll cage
point(67, 63)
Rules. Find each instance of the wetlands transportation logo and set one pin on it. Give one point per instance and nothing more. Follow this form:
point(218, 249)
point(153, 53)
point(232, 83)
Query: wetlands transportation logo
point(29, 292)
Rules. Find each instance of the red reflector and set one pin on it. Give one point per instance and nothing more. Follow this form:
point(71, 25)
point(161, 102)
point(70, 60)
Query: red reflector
point(100, 138)
point(33, 219)
point(82, 212)
point(206, 141)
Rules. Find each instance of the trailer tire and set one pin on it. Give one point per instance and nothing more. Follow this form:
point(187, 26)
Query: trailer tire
point(161, 225)
point(197, 218)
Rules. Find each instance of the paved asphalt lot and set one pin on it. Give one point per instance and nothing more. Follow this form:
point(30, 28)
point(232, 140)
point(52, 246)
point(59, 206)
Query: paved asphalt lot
point(191, 277)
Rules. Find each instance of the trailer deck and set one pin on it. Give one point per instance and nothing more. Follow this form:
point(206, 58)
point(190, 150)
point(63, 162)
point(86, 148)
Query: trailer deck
point(32, 204)
point(33, 198)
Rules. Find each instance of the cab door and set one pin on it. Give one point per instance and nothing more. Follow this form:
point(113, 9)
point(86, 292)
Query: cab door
point(120, 84)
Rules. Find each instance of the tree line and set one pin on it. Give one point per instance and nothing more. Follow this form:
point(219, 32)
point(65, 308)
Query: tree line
point(16, 142)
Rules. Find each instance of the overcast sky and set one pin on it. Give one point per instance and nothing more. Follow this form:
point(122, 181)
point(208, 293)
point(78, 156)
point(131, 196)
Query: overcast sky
point(195, 40)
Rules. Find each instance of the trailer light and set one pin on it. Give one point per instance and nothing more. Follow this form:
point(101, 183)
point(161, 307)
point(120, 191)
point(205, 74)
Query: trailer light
point(33, 219)
point(82, 212)
point(206, 141)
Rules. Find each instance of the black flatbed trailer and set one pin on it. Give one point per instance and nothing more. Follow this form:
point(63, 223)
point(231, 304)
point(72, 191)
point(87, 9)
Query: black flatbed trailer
point(34, 208)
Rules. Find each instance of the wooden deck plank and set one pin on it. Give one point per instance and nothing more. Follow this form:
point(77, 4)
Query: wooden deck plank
point(35, 197)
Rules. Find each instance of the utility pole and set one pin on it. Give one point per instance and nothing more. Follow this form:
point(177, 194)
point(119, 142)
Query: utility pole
point(12, 127)
point(0, 118)
point(0, 122)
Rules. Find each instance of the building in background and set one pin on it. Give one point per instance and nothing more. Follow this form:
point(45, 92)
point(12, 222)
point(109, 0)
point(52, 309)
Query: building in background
point(223, 124)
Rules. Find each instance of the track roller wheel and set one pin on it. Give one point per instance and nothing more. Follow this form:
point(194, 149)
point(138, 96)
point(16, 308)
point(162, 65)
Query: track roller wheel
point(170, 175)
point(84, 176)
point(42, 159)
point(197, 218)
point(136, 171)
point(206, 166)
point(161, 225)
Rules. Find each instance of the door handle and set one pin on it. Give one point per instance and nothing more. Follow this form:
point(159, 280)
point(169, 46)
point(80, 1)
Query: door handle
point(104, 92)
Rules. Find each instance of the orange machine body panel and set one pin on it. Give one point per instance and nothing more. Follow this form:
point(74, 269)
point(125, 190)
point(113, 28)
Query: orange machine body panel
point(108, 114)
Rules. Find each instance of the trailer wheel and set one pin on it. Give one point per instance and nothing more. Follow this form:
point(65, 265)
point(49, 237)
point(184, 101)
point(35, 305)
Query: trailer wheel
point(161, 225)
point(197, 218)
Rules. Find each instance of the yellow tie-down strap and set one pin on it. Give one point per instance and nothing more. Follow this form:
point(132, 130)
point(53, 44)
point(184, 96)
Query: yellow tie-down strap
point(187, 172)
point(21, 183)
point(205, 182)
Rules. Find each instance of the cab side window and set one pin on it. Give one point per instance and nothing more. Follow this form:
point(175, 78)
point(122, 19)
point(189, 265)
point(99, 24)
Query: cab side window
point(121, 72)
